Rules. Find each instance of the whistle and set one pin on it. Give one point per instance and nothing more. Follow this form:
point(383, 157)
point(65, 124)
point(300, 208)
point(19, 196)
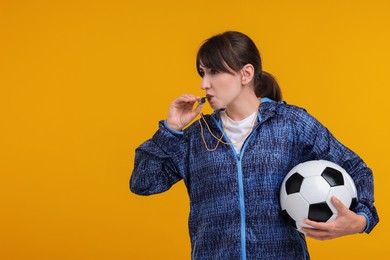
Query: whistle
point(203, 100)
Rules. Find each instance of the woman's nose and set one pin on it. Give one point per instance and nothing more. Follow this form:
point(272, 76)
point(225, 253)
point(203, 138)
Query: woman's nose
point(205, 84)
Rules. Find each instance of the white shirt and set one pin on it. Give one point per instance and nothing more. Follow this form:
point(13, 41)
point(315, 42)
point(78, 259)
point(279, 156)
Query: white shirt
point(237, 131)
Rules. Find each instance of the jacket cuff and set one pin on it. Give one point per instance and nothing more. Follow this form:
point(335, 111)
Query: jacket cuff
point(168, 140)
point(370, 215)
point(367, 221)
point(171, 130)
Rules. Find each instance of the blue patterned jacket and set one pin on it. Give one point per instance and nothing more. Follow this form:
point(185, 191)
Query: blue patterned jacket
point(234, 198)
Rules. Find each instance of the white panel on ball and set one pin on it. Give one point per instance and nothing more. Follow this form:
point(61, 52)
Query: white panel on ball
point(283, 197)
point(315, 189)
point(349, 184)
point(308, 170)
point(295, 201)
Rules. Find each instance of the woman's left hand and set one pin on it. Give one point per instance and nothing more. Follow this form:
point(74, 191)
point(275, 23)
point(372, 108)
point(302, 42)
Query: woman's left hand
point(346, 223)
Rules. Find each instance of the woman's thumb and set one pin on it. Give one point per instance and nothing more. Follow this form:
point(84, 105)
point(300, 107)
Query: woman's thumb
point(197, 110)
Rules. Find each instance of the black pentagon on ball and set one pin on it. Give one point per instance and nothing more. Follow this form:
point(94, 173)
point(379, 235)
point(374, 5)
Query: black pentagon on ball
point(353, 204)
point(293, 184)
point(290, 221)
point(333, 177)
point(319, 212)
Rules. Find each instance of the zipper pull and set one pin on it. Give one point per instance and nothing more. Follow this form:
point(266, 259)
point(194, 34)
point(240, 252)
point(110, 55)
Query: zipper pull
point(238, 157)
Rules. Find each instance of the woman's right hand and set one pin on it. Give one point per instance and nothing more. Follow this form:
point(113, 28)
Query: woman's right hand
point(181, 111)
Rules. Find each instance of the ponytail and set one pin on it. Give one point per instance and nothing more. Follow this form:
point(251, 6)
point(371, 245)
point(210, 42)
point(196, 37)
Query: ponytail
point(268, 87)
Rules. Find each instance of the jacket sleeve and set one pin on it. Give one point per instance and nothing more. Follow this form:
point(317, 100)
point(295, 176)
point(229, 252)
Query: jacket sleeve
point(317, 143)
point(156, 162)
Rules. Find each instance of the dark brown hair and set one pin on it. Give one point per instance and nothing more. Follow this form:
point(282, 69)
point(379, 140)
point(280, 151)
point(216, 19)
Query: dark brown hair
point(232, 50)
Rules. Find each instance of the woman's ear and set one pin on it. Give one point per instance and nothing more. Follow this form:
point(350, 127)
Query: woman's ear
point(247, 73)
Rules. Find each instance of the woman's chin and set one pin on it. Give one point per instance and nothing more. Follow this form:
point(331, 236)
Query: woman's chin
point(214, 105)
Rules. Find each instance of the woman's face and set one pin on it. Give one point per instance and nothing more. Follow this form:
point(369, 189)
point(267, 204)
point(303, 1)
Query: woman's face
point(222, 88)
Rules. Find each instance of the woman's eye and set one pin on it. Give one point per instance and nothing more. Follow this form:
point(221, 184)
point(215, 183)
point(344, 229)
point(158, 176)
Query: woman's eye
point(201, 73)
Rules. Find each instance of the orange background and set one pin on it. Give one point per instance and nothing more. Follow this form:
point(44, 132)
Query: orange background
point(83, 83)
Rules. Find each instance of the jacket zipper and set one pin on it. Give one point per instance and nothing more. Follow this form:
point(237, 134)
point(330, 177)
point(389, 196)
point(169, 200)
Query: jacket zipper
point(241, 185)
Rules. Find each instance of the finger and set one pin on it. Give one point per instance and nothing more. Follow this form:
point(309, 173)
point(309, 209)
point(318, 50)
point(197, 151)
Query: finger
point(317, 225)
point(190, 97)
point(187, 98)
point(339, 205)
point(198, 108)
point(315, 232)
point(319, 235)
point(184, 102)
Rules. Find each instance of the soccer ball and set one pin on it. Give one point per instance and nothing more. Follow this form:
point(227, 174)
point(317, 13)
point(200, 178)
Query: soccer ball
point(307, 189)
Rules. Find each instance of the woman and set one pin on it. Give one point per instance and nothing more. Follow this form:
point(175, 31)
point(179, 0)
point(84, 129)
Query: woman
point(234, 160)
